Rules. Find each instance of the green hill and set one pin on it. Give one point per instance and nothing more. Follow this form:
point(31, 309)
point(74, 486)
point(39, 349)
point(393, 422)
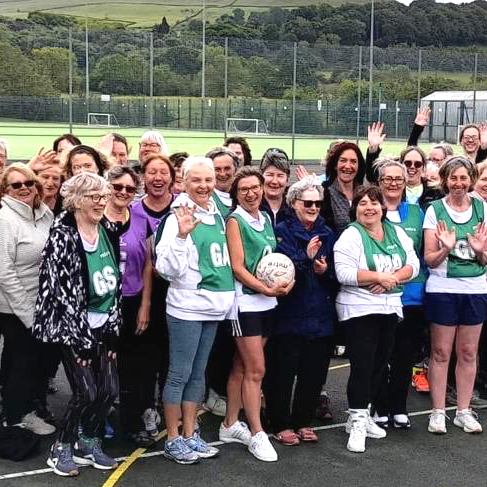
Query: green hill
point(144, 13)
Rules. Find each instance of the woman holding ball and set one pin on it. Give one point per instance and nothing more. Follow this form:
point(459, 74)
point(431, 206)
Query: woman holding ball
point(250, 236)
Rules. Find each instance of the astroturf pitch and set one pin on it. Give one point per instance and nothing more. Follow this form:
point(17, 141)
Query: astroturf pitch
point(26, 138)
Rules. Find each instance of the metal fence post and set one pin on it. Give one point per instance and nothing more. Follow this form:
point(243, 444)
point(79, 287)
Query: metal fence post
point(418, 102)
point(474, 107)
point(226, 85)
point(397, 119)
point(203, 52)
point(371, 60)
point(294, 101)
point(87, 68)
point(70, 60)
point(359, 93)
point(151, 82)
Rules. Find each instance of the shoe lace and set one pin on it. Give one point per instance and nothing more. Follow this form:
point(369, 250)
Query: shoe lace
point(150, 419)
point(358, 428)
point(65, 454)
point(436, 416)
point(470, 417)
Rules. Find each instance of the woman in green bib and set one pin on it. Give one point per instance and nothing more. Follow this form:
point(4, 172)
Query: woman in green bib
point(250, 237)
point(390, 402)
point(192, 255)
point(373, 259)
point(78, 307)
point(455, 238)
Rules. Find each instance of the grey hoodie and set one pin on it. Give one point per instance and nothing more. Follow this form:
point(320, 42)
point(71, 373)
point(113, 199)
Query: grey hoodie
point(23, 234)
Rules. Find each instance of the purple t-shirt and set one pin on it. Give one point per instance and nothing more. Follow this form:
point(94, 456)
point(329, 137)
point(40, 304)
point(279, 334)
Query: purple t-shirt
point(133, 245)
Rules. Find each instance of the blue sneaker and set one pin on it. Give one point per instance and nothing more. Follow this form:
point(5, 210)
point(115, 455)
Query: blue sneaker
point(87, 451)
point(200, 447)
point(178, 451)
point(61, 460)
point(109, 431)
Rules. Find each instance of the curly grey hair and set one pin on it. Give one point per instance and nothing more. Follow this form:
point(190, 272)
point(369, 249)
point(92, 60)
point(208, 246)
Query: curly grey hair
point(382, 163)
point(295, 192)
point(76, 188)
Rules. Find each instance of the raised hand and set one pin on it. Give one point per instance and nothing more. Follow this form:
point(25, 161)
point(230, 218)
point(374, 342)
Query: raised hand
point(483, 135)
point(106, 144)
point(186, 220)
point(478, 241)
point(320, 265)
point(375, 136)
point(301, 172)
point(387, 280)
point(42, 159)
point(423, 116)
point(447, 238)
point(313, 247)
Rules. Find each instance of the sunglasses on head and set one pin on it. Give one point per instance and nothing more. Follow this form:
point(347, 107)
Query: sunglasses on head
point(310, 203)
point(416, 164)
point(120, 187)
point(18, 185)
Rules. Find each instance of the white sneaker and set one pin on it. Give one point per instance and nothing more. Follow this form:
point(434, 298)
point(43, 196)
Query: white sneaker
point(372, 430)
point(260, 446)
point(358, 432)
point(37, 425)
point(216, 404)
point(152, 420)
point(467, 419)
point(437, 422)
point(237, 433)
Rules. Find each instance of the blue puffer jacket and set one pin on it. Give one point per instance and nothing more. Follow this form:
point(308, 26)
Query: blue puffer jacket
point(309, 309)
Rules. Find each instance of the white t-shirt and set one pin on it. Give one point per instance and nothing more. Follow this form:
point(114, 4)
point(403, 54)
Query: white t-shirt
point(437, 281)
point(95, 320)
point(224, 197)
point(252, 302)
point(393, 216)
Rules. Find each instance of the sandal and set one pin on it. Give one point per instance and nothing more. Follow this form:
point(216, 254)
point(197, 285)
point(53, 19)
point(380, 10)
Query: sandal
point(287, 437)
point(307, 434)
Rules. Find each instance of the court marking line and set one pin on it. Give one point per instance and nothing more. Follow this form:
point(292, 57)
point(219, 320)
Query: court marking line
point(214, 443)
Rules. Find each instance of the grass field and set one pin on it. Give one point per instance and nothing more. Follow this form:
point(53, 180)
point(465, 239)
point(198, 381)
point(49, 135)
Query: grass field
point(25, 139)
point(144, 13)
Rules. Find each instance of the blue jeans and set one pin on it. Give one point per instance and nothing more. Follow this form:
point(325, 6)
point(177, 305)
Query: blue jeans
point(190, 344)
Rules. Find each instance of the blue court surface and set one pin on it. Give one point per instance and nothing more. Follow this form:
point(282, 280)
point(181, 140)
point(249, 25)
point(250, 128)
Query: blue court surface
point(412, 458)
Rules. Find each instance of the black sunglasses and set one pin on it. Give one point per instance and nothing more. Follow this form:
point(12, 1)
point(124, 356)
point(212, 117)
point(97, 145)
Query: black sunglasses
point(416, 164)
point(119, 187)
point(18, 185)
point(310, 203)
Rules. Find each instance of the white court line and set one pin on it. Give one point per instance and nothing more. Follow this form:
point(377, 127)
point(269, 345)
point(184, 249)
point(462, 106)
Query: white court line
point(214, 443)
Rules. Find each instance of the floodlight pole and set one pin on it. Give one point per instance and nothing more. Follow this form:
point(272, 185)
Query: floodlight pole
point(359, 94)
point(87, 64)
point(371, 59)
point(70, 61)
point(203, 54)
point(474, 107)
point(295, 62)
point(226, 85)
point(151, 82)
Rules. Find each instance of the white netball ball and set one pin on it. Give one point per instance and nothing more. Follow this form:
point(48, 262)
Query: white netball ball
point(274, 269)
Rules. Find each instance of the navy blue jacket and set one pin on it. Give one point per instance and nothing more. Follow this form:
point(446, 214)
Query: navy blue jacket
point(309, 309)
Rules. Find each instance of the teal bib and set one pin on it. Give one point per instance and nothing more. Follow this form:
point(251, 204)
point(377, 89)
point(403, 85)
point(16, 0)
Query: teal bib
point(462, 261)
point(256, 244)
point(222, 207)
point(386, 255)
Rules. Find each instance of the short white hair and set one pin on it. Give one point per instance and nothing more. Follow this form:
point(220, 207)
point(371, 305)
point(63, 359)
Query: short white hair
point(4, 146)
point(192, 161)
point(296, 190)
point(157, 137)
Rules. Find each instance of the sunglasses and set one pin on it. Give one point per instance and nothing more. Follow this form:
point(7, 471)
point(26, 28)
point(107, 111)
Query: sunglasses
point(27, 184)
point(120, 187)
point(310, 203)
point(416, 164)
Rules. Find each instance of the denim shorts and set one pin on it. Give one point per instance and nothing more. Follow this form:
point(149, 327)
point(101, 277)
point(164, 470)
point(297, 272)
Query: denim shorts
point(452, 309)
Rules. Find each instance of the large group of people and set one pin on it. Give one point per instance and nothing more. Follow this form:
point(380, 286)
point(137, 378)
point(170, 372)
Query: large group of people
point(140, 279)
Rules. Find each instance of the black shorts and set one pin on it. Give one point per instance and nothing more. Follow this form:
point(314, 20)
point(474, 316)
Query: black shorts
point(451, 309)
point(254, 323)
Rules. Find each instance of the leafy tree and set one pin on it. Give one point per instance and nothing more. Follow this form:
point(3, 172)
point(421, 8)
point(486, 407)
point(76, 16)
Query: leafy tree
point(54, 63)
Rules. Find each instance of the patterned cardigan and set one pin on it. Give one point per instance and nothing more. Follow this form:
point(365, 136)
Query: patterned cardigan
point(61, 313)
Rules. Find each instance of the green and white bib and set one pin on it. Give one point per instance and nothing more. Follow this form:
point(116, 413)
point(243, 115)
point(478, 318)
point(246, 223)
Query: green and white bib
point(462, 261)
point(222, 207)
point(213, 258)
point(103, 274)
point(386, 255)
point(256, 244)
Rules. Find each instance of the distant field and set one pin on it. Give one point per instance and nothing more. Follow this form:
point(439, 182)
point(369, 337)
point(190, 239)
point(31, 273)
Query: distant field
point(25, 139)
point(143, 13)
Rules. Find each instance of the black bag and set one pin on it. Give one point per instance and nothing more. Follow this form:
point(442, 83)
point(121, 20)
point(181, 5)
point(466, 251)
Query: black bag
point(17, 443)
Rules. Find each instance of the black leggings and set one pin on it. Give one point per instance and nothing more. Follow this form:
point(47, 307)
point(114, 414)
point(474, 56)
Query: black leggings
point(95, 388)
point(392, 395)
point(370, 340)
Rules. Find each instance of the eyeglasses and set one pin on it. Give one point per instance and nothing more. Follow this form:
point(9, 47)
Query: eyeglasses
point(120, 187)
point(245, 191)
point(144, 145)
point(389, 180)
point(18, 185)
point(416, 164)
point(96, 198)
point(80, 167)
point(470, 138)
point(310, 203)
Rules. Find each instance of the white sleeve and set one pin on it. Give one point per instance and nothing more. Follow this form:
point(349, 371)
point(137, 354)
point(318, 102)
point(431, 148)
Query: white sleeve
point(172, 252)
point(430, 220)
point(347, 252)
point(408, 246)
point(485, 212)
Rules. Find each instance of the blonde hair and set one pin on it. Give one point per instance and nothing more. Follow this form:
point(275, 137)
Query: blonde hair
point(28, 173)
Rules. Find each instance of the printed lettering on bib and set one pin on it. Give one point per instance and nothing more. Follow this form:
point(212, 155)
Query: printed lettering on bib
point(219, 255)
point(387, 263)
